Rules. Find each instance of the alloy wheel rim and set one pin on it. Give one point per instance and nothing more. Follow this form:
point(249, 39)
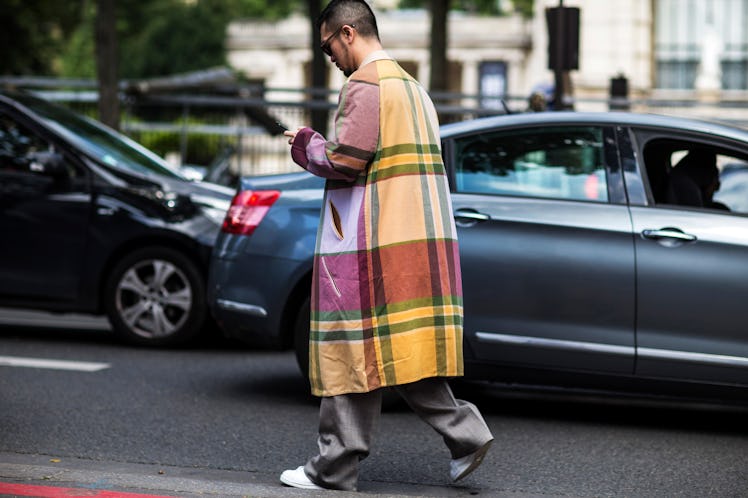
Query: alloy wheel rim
point(154, 298)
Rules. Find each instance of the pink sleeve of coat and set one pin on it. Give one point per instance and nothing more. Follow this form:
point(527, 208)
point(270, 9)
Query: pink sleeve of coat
point(357, 125)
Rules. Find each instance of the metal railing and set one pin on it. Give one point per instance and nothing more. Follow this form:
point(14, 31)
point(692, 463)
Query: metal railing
point(199, 128)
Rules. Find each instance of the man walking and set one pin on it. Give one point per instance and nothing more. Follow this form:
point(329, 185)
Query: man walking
point(386, 307)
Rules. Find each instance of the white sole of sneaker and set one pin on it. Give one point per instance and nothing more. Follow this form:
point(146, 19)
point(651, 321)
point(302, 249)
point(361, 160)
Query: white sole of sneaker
point(477, 460)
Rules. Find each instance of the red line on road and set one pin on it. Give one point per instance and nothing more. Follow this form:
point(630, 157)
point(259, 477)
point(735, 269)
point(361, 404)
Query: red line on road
point(55, 492)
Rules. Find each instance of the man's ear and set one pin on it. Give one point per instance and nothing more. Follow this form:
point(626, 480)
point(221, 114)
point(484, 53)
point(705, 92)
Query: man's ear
point(349, 32)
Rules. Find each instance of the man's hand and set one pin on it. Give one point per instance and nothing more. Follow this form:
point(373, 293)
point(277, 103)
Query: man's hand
point(291, 135)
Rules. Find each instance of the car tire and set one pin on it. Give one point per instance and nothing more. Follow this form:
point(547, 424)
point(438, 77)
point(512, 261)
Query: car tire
point(301, 338)
point(156, 297)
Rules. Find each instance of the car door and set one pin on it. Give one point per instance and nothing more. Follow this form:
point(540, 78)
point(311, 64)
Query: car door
point(546, 248)
point(44, 214)
point(692, 267)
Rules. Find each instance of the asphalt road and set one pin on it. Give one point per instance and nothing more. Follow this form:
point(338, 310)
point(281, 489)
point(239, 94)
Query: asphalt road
point(224, 420)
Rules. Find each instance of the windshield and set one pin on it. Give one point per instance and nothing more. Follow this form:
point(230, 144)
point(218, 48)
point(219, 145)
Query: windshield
point(100, 142)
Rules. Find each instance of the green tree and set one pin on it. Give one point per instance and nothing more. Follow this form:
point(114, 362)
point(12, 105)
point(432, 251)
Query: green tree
point(175, 38)
point(438, 78)
point(319, 67)
point(164, 37)
point(77, 59)
point(33, 34)
point(136, 39)
point(107, 62)
point(524, 7)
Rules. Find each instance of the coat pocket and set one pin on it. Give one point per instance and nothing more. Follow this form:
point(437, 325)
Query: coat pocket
point(330, 278)
point(337, 225)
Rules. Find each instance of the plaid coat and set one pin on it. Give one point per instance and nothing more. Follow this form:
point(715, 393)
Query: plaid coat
point(386, 305)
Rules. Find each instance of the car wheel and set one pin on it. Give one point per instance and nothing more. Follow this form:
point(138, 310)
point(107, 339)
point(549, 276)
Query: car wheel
point(156, 296)
point(301, 338)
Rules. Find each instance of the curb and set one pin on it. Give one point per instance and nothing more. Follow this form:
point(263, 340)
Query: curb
point(107, 477)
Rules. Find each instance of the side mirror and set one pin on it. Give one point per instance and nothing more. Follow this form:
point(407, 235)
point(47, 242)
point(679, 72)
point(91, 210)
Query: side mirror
point(47, 163)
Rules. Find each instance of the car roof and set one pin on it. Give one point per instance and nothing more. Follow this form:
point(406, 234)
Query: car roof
point(600, 118)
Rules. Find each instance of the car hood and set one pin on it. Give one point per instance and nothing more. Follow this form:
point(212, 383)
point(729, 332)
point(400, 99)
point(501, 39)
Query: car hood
point(215, 198)
point(173, 195)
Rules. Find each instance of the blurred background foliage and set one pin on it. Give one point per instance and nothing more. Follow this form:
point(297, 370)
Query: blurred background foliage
point(34, 33)
point(156, 37)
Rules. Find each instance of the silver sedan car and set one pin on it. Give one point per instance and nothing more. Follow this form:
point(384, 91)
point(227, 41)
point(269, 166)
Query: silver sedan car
point(605, 250)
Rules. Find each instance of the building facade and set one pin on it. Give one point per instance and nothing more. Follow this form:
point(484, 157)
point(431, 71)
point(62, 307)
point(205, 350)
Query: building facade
point(691, 51)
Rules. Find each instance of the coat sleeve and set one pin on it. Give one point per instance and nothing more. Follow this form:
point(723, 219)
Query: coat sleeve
point(357, 134)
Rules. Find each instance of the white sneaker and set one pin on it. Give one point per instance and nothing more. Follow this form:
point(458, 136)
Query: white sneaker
point(297, 478)
point(461, 467)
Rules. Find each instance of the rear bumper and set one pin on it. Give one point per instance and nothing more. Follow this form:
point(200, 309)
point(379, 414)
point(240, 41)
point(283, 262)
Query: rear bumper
point(248, 295)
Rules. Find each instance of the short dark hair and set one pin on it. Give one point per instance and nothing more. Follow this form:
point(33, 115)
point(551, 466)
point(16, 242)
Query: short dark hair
point(340, 12)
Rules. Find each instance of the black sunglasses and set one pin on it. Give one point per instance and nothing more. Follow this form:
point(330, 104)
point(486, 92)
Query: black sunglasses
point(326, 44)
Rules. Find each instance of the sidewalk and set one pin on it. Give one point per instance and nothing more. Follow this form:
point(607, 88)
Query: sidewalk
point(21, 474)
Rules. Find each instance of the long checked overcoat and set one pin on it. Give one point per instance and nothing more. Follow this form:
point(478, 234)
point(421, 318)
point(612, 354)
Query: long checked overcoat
point(386, 304)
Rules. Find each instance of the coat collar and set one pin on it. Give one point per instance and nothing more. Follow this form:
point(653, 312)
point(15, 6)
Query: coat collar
point(375, 56)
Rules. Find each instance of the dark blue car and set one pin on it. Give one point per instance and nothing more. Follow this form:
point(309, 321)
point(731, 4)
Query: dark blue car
point(590, 257)
point(91, 222)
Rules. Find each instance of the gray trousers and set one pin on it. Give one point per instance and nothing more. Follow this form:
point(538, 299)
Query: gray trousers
point(347, 423)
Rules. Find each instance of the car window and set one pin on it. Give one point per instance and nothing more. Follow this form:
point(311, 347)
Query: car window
point(695, 175)
point(732, 190)
point(112, 148)
point(17, 144)
point(554, 162)
point(30, 165)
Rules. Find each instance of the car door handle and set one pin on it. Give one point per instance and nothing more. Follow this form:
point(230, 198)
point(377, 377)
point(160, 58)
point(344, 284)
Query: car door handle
point(469, 217)
point(670, 233)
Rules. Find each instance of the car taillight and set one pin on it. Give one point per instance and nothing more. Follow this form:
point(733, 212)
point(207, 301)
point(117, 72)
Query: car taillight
point(247, 210)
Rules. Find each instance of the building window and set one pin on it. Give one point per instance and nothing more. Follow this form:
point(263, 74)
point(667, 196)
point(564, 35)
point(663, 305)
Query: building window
point(689, 33)
point(492, 83)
